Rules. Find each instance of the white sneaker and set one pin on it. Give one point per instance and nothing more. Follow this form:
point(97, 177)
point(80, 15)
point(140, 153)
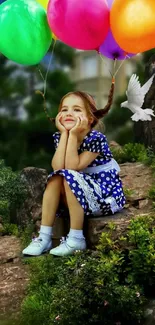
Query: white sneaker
point(69, 246)
point(37, 247)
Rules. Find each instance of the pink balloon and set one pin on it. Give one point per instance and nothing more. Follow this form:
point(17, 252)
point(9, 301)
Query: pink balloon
point(82, 24)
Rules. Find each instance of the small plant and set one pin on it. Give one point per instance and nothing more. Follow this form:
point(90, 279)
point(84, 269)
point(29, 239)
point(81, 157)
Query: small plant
point(128, 192)
point(4, 210)
point(142, 256)
point(10, 229)
point(12, 192)
point(26, 234)
point(108, 286)
point(152, 193)
point(131, 152)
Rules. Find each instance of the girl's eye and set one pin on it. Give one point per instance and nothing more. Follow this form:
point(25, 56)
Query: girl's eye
point(77, 110)
point(64, 110)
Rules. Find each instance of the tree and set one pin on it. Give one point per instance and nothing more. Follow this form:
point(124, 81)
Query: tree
point(145, 131)
point(28, 141)
point(118, 122)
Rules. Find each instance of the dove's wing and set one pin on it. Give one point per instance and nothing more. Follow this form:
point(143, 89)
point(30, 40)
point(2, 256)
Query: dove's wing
point(134, 93)
point(145, 88)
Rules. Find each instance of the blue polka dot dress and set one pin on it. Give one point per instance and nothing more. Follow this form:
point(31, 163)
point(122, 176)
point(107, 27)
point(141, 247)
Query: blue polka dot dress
point(98, 187)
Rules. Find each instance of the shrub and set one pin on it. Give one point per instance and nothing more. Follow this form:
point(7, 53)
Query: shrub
point(131, 152)
point(107, 286)
point(12, 192)
point(10, 229)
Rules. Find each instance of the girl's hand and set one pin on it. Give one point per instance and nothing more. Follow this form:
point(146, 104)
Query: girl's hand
point(80, 126)
point(58, 124)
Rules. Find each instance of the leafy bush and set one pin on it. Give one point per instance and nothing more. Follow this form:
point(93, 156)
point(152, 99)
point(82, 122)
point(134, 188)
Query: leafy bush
point(4, 209)
point(12, 192)
point(131, 152)
point(10, 229)
point(27, 233)
point(107, 286)
point(142, 256)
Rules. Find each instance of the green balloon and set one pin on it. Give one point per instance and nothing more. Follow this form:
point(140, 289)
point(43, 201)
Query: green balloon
point(25, 35)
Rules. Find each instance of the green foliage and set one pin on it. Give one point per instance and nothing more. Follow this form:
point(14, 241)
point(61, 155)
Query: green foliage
point(128, 192)
point(25, 132)
point(10, 229)
point(26, 234)
point(142, 255)
point(107, 286)
point(152, 193)
point(118, 125)
point(131, 152)
point(9, 321)
point(4, 209)
point(12, 192)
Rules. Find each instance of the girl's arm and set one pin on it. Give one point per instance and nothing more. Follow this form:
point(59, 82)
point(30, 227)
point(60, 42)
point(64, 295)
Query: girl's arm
point(72, 159)
point(75, 161)
point(58, 161)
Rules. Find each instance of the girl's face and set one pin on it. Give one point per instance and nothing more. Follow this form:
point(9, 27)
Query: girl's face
point(72, 108)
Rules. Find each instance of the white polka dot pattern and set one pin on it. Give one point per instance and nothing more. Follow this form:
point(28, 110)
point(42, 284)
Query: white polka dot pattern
point(98, 193)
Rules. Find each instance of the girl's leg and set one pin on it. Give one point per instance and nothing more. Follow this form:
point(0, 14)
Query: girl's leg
point(51, 200)
point(75, 240)
point(76, 211)
point(50, 204)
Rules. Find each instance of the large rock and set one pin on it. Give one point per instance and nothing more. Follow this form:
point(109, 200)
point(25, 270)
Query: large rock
point(134, 176)
point(137, 181)
point(34, 180)
point(137, 178)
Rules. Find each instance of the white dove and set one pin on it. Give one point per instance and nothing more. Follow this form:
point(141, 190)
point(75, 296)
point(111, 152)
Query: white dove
point(135, 95)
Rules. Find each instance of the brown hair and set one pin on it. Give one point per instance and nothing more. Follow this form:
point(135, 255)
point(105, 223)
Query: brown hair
point(89, 103)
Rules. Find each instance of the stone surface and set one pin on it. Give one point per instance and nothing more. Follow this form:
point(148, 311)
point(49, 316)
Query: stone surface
point(10, 249)
point(137, 178)
point(35, 180)
point(134, 176)
point(14, 277)
point(96, 226)
point(114, 145)
point(1, 228)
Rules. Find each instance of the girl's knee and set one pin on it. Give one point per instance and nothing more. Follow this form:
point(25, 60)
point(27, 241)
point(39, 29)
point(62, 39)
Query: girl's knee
point(54, 179)
point(65, 184)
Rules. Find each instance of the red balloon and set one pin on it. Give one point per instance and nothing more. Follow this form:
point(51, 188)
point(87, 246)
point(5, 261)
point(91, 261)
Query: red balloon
point(82, 24)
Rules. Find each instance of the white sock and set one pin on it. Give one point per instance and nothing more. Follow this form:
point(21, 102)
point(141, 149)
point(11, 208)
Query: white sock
point(76, 233)
point(45, 232)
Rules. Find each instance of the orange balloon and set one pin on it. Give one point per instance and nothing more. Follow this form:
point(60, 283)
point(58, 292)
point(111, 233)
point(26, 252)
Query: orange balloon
point(133, 24)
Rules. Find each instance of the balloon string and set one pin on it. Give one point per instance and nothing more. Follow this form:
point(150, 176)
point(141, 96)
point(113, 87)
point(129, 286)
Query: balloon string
point(114, 67)
point(48, 68)
point(105, 63)
point(120, 65)
point(45, 84)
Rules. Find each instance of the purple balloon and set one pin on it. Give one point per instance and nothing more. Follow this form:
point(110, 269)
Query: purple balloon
point(110, 2)
point(112, 50)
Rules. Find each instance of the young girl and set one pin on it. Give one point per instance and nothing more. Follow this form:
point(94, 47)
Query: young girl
point(85, 175)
